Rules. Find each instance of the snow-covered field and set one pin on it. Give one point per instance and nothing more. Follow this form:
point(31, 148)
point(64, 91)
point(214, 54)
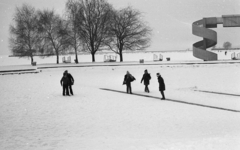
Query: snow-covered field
point(35, 116)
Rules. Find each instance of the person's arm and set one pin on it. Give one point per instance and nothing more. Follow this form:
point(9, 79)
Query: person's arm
point(142, 78)
point(61, 81)
point(72, 78)
point(124, 80)
point(133, 78)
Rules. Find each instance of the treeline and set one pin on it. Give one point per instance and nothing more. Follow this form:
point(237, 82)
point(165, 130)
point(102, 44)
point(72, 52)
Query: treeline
point(222, 48)
point(86, 26)
point(226, 46)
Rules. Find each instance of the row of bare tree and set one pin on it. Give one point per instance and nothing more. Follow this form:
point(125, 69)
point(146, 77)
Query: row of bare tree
point(87, 25)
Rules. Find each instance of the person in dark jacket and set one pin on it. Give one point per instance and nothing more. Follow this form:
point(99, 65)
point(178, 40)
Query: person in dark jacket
point(70, 78)
point(128, 78)
point(64, 83)
point(161, 85)
point(146, 78)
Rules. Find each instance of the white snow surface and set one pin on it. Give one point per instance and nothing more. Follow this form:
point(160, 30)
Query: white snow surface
point(175, 56)
point(35, 116)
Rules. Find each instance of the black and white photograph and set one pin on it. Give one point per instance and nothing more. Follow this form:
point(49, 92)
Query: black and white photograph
point(119, 74)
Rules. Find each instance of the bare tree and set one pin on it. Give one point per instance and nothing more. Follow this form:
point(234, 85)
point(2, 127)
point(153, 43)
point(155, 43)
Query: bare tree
point(128, 32)
point(74, 38)
point(227, 45)
point(54, 31)
point(24, 38)
point(93, 24)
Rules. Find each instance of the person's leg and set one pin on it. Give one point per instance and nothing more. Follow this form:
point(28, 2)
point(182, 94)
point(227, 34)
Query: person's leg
point(127, 88)
point(63, 90)
point(163, 96)
point(70, 89)
point(67, 91)
point(130, 88)
point(147, 89)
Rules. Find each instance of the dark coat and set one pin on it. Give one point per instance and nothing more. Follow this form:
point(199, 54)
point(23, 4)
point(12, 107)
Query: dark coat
point(70, 78)
point(146, 78)
point(65, 80)
point(128, 78)
point(161, 84)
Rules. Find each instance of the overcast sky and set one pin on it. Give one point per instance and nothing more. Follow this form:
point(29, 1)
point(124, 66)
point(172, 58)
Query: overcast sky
point(171, 20)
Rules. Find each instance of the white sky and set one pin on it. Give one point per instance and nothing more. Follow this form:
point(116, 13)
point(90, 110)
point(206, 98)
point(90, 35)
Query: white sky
point(170, 19)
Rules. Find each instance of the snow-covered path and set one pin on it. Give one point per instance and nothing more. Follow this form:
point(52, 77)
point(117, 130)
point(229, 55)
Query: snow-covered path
point(34, 114)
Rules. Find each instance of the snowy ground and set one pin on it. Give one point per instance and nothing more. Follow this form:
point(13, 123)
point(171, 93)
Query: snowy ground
point(146, 55)
point(35, 116)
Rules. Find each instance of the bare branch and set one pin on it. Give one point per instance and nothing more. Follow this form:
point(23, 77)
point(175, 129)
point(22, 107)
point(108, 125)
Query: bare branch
point(54, 30)
point(24, 40)
point(128, 32)
point(93, 22)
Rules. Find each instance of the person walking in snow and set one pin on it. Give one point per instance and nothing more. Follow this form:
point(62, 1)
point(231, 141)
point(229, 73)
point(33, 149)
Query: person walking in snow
point(128, 78)
point(146, 78)
point(71, 81)
point(64, 83)
point(161, 85)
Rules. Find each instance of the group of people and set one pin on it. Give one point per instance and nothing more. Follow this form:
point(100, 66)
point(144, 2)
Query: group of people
point(66, 82)
point(128, 78)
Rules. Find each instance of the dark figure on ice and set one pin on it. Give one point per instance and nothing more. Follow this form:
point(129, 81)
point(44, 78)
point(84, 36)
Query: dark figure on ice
point(71, 81)
point(146, 78)
point(64, 83)
point(128, 78)
point(161, 85)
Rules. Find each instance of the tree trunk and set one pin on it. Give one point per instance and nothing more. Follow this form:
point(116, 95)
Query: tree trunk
point(121, 56)
point(120, 52)
point(93, 50)
point(93, 57)
point(76, 57)
point(57, 59)
point(31, 59)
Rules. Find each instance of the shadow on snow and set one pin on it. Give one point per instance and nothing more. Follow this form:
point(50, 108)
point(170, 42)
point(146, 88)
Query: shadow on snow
point(177, 101)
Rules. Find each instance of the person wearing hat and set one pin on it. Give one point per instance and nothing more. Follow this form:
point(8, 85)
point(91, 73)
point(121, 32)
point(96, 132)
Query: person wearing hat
point(146, 78)
point(161, 85)
point(128, 78)
point(71, 81)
